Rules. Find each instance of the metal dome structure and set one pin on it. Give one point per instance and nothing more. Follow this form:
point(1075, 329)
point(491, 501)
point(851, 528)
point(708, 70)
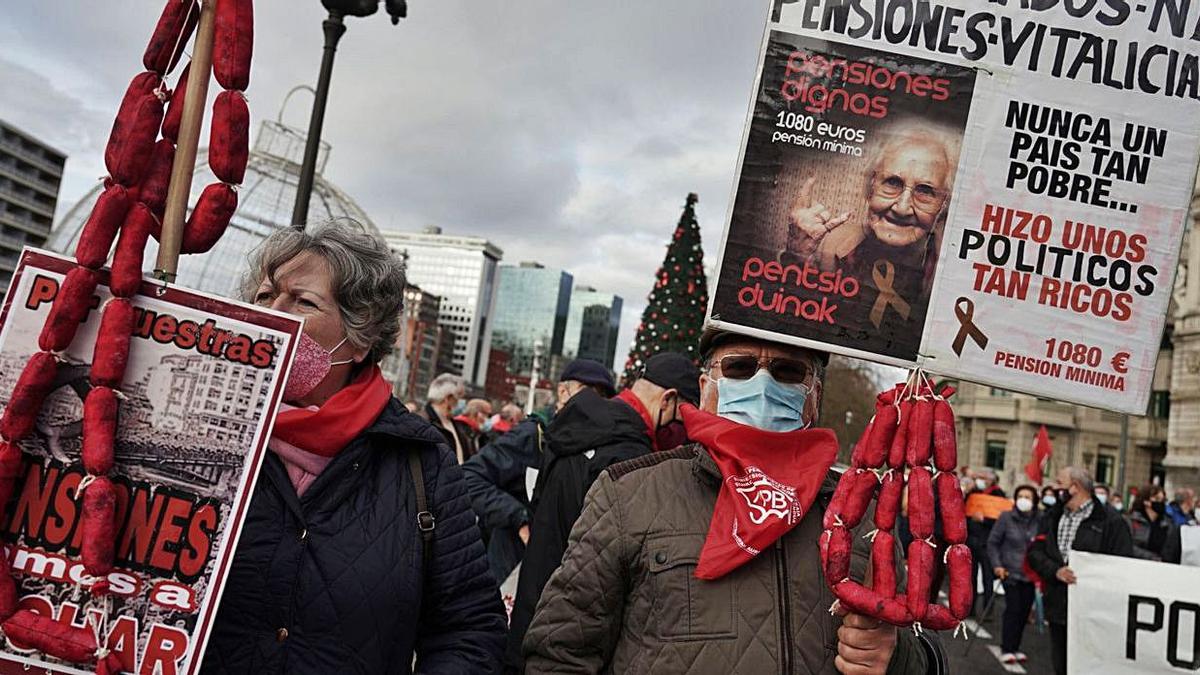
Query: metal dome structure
point(265, 201)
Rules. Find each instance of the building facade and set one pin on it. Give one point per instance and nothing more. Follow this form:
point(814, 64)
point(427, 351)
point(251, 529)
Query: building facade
point(593, 323)
point(421, 342)
point(500, 383)
point(30, 175)
point(996, 429)
point(1182, 461)
point(531, 308)
point(462, 271)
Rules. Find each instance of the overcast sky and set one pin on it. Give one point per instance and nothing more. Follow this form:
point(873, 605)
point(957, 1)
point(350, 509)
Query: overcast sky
point(567, 132)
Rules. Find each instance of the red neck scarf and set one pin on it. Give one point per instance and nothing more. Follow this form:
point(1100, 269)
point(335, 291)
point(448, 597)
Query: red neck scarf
point(469, 421)
point(628, 397)
point(328, 430)
point(755, 509)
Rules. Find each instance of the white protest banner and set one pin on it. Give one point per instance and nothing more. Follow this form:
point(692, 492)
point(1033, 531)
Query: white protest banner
point(200, 391)
point(1127, 616)
point(992, 191)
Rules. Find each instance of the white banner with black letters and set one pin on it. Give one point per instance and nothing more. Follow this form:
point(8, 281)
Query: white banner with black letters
point(1132, 616)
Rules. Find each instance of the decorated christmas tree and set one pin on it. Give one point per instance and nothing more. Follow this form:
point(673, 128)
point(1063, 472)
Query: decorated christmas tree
point(675, 308)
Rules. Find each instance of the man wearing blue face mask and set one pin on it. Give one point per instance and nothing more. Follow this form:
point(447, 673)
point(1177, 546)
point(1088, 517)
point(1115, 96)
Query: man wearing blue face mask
point(643, 589)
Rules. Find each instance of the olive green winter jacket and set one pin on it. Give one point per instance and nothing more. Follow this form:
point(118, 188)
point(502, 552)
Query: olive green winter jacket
point(626, 600)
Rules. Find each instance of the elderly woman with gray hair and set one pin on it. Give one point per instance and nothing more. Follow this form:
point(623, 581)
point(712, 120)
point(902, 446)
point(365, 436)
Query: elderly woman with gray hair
point(359, 551)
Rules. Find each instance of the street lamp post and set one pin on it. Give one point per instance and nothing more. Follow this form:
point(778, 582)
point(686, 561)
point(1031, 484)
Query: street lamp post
point(534, 376)
point(334, 27)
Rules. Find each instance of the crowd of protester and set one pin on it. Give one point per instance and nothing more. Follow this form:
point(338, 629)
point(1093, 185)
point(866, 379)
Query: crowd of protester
point(379, 534)
point(1026, 549)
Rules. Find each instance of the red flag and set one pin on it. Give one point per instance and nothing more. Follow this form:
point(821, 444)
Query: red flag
point(770, 481)
point(1036, 467)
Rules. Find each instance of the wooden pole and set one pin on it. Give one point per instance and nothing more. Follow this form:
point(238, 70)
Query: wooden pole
point(195, 100)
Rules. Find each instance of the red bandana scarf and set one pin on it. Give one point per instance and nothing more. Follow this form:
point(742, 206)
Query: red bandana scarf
point(755, 508)
point(329, 429)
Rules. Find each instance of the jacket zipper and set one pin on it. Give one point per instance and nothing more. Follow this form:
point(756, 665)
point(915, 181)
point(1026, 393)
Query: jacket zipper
point(785, 607)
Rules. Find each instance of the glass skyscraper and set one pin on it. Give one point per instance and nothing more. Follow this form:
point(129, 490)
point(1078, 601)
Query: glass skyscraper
point(462, 270)
point(531, 307)
point(593, 322)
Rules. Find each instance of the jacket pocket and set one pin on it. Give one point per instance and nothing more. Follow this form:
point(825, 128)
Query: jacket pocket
point(684, 607)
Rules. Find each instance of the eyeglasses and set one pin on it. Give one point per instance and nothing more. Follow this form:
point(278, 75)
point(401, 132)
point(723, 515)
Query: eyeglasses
point(925, 196)
point(744, 366)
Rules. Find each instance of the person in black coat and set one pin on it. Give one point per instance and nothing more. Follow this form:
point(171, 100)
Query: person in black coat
point(445, 392)
point(497, 478)
point(978, 531)
point(1078, 522)
point(359, 552)
point(589, 434)
point(1149, 523)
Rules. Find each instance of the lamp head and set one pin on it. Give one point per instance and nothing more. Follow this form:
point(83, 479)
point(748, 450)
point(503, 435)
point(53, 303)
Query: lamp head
point(352, 7)
point(397, 9)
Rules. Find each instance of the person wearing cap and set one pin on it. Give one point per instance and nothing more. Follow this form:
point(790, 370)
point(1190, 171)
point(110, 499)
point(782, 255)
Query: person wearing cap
point(643, 589)
point(499, 475)
point(588, 434)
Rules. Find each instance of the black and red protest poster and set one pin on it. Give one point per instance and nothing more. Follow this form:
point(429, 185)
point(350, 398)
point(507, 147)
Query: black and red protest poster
point(843, 194)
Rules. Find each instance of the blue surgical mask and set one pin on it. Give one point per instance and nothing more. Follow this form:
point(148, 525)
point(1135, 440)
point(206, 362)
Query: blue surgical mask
point(762, 402)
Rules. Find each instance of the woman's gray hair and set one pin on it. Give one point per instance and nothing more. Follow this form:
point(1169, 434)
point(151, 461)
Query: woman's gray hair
point(367, 278)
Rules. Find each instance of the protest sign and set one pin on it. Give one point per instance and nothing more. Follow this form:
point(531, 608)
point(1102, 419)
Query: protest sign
point(199, 395)
point(803, 254)
point(1128, 616)
point(992, 191)
point(986, 506)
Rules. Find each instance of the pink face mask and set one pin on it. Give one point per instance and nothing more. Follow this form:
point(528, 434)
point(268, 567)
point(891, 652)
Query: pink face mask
point(311, 365)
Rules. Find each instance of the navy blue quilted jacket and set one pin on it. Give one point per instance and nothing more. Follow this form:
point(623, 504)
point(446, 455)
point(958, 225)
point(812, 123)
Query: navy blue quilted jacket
point(332, 582)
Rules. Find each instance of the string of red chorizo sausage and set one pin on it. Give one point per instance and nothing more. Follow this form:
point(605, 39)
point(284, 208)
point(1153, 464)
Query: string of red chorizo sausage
point(129, 211)
point(908, 448)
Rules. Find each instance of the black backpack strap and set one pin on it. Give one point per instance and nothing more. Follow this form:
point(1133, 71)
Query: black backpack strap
point(425, 519)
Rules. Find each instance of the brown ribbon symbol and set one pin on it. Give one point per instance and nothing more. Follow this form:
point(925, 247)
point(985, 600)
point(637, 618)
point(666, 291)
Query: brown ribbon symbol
point(884, 274)
point(964, 311)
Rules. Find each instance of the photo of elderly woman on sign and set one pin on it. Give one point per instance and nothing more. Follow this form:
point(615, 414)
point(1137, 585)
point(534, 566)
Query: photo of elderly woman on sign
point(890, 244)
point(359, 549)
point(844, 194)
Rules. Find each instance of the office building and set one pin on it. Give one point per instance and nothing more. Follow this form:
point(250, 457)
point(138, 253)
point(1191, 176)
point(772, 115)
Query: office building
point(593, 323)
point(30, 174)
point(265, 201)
point(500, 382)
point(462, 270)
point(423, 341)
point(531, 309)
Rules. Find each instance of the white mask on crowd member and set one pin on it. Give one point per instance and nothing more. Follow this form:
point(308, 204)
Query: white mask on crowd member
point(1024, 504)
point(1049, 500)
point(980, 484)
point(1102, 497)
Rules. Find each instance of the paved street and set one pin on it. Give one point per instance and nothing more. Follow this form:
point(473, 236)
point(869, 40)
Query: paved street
point(981, 653)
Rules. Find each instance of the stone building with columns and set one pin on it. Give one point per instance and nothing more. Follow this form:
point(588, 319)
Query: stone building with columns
point(996, 428)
